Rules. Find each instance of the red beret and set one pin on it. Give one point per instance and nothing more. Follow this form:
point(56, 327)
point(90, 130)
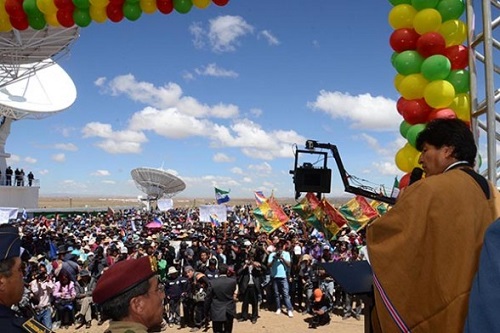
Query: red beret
point(123, 276)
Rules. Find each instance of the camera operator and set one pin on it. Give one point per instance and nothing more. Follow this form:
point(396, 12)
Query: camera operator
point(280, 262)
point(42, 287)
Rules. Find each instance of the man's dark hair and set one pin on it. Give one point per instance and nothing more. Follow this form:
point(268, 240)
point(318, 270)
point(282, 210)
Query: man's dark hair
point(117, 307)
point(222, 268)
point(6, 266)
point(452, 133)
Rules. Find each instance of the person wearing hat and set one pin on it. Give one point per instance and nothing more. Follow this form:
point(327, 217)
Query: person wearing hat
point(320, 309)
point(12, 284)
point(176, 287)
point(84, 288)
point(131, 295)
point(42, 287)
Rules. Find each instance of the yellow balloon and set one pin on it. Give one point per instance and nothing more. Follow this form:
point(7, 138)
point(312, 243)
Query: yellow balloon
point(401, 16)
point(5, 24)
point(454, 32)
point(461, 106)
point(202, 4)
point(427, 20)
point(148, 6)
point(52, 20)
point(412, 86)
point(439, 94)
point(98, 14)
point(46, 6)
point(397, 81)
point(405, 158)
point(99, 3)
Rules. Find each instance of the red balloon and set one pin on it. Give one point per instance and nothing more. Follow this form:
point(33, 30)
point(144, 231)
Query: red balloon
point(116, 3)
point(14, 8)
point(404, 181)
point(401, 104)
point(404, 40)
point(65, 17)
point(64, 5)
point(416, 111)
point(220, 2)
point(458, 55)
point(165, 6)
point(430, 44)
point(115, 13)
point(442, 114)
point(19, 22)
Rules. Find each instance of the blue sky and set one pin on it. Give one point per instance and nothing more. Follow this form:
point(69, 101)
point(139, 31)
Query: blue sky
point(219, 97)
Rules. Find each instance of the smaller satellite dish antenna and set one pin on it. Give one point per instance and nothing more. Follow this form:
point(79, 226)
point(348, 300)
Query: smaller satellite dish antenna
point(156, 183)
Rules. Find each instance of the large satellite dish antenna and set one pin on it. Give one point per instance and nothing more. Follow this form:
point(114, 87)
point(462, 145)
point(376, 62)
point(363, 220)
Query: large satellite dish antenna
point(157, 183)
point(37, 95)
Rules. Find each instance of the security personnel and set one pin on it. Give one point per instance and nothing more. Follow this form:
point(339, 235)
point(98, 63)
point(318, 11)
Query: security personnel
point(131, 294)
point(12, 284)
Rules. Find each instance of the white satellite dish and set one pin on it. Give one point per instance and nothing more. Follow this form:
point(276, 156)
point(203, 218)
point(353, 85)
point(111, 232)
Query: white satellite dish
point(156, 183)
point(39, 94)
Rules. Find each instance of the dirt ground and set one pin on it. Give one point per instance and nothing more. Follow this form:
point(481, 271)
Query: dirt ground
point(268, 322)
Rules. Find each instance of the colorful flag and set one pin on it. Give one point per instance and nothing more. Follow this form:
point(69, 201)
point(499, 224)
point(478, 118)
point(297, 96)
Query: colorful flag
point(214, 219)
point(259, 197)
point(332, 221)
point(358, 212)
point(221, 196)
point(270, 215)
point(380, 207)
point(25, 214)
point(395, 188)
point(309, 209)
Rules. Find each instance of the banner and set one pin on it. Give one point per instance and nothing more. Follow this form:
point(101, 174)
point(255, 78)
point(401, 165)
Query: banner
point(213, 213)
point(165, 204)
point(358, 212)
point(7, 214)
point(333, 220)
point(270, 215)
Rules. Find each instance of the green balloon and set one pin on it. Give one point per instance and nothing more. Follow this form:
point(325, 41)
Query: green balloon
point(82, 17)
point(183, 6)
point(37, 22)
point(400, 2)
point(82, 4)
point(436, 67)
point(450, 9)
point(460, 79)
point(403, 128)
point(30, 8)
point(132, 11)
point(413, 132)
point(423, 4)
point(408, 62)
point(393, 57)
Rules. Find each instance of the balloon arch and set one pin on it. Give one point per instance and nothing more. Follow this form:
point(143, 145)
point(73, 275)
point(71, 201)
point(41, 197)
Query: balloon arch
point(431, 63)
point(37, 14)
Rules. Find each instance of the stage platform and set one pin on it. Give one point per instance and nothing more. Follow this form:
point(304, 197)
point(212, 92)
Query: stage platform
point(19, 196)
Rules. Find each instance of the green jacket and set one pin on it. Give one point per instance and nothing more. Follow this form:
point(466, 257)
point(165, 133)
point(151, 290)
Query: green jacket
point(125, 327)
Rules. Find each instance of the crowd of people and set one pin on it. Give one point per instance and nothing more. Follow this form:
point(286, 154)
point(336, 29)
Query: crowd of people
point(279, 272)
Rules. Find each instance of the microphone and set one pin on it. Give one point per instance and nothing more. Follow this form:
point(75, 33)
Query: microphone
point(416, 175)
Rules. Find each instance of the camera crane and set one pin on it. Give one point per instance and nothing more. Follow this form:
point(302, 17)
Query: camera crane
point(318, 180)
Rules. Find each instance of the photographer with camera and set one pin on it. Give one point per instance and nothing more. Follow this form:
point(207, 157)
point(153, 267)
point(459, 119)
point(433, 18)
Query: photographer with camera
point(42, 287)
point(280, 262)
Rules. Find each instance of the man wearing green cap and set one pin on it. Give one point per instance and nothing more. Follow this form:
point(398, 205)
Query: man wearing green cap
point(12, 284)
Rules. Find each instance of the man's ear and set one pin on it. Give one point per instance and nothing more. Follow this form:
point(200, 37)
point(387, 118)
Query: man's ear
point(3, 284)
point(448, 151)
point(136, 305)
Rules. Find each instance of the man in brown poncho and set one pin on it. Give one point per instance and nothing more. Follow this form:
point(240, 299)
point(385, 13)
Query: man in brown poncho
point(424, 252)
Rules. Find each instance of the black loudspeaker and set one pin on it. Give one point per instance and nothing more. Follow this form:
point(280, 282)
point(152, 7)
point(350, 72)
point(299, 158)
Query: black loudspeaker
point(312, 180)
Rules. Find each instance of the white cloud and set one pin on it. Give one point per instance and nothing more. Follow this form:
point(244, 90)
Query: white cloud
point(66, 146)
point(256, 112)
point(60, 158)
point(188, 76)
point(271, 39)
point(213, 70)
point(115, 142)
point(43, 172)
point(30, 160)
point(237, 171)
point(363, 111)
point(222, 158)
point(100, 173)
point(109, 182)
point(14, 159)
point(196, 29)
point(100, 81)
point(225, 32)
point(247, 179)
point(261, 168)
